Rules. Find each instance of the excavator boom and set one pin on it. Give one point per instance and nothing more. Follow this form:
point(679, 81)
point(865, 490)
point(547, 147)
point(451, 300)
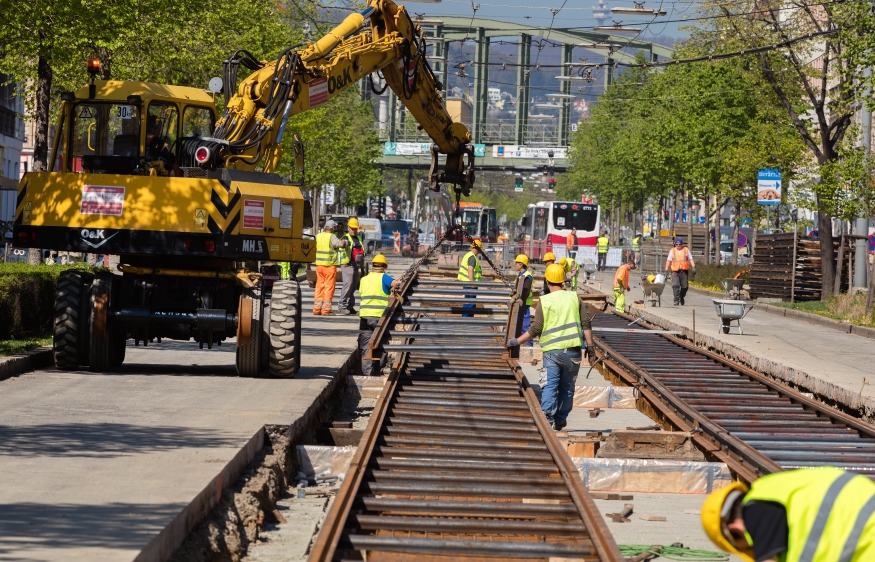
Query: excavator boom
point(250, 132)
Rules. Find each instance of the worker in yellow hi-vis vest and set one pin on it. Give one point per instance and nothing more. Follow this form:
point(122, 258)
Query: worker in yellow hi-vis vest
point(562, 324)
point(374, 289)
point(821, 514)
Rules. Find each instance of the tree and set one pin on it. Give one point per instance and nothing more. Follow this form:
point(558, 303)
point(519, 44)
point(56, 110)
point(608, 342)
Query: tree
point(815, 80)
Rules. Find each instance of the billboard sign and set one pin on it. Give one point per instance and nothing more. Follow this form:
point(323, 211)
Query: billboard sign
point(769, 187)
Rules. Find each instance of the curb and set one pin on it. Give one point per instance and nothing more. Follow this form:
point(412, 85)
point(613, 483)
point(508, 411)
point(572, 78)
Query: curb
point(810, 318)
point(24, 362)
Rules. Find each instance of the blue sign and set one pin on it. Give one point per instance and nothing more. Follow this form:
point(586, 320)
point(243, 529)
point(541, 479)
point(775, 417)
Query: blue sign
point(701, 220)
point(769, 186)
point(742, 240)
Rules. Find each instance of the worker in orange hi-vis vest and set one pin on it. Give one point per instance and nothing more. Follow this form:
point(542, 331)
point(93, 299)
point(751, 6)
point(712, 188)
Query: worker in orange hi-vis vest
point(571, 244)
point(679, 262)
point(621, 285)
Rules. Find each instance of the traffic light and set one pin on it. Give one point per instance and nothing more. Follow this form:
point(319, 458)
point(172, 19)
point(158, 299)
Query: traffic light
point(518, 182)
point(551, 183)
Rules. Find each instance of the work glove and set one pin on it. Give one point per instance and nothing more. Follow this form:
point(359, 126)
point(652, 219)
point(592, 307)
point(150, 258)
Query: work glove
point(590, 354)
point(512, 342)
point(694, 271)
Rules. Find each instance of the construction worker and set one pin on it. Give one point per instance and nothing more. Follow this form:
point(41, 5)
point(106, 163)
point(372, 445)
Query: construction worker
point(374, 289)
point(636, 248)
point(469, 270)
point(521, 264)
point(327, 245)
point(571, 244)
point(352, 261)
point(558, 320)
point(621, 285)
point(602, 247)
point(570, 267)
point(549, 258)
point(285, 268)
point(816, 514)
point(679, 261)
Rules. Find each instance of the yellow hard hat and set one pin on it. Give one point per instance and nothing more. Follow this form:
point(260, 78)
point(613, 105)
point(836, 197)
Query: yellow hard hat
point(549, 256)
point(563, 262)
point(476, 244)
point(353, 223)
point(523, 259)
point(714, 514)
point(379, 259)
point(555, 273)
point(651, 278)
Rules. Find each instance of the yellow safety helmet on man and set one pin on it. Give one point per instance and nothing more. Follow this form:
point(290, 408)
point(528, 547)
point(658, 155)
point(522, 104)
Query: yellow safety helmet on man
point(523, 259)
point(379, 259)
point(353, 223)
point(476, 244)
point(549, 256)
point(716, 512)
point(555, 273)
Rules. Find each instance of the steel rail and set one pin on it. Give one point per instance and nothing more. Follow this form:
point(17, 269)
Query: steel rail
point(458, 462)
point(754, 424)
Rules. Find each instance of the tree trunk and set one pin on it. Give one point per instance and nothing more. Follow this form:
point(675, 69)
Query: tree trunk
point(706, 204)
point(41, 116)
point(838, 276)
point(827, 257)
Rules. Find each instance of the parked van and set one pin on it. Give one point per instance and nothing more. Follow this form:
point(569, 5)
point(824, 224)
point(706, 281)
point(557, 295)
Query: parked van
point(373, 234)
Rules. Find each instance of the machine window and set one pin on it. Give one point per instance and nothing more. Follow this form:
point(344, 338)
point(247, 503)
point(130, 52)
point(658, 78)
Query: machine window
point(105, 137)
point(198, 122)
point(162, 128)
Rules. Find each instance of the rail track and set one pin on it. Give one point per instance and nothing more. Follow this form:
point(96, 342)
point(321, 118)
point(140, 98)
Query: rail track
point(457, 462)
point(753, 423)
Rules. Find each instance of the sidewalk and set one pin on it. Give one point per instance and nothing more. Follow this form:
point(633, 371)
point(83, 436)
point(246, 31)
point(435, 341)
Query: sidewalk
point(829, 363)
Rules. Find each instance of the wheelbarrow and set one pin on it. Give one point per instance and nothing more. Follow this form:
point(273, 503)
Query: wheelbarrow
point(653, 292)
point(729, 311)
point(733, 288)
point(589, 269)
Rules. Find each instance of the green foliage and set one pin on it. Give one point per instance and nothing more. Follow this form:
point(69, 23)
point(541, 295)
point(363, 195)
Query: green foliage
point(339, 147)
point(13, 346)
point(839, 307)
point(27, 298)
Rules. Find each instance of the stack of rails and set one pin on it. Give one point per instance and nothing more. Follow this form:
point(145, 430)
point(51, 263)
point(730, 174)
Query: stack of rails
point(458, 463)
point(754, 424)
point(771, 271)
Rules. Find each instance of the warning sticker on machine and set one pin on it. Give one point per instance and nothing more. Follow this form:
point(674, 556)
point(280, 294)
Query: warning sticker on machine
point(102, 200)
point(253, 214)
point(318, 92)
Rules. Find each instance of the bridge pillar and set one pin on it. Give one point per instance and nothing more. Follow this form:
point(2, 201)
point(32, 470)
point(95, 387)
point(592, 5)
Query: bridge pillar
point(481, 85)
point(393, 115)
point(524, 58)
point(565, 88)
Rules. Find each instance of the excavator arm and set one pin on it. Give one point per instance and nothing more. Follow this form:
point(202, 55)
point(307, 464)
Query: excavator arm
point(250, 132)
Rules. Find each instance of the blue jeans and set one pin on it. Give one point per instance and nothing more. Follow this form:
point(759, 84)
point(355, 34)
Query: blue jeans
point(557, 395)
point(469, 305)
point(527, 321)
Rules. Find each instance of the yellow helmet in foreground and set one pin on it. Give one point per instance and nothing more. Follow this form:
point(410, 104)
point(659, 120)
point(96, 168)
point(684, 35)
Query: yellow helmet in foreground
point(555, 273)
point(379, 259)
point(353, 223)
point(476, 244)
point(716, 511)
point(549, 256)
point(523, 259)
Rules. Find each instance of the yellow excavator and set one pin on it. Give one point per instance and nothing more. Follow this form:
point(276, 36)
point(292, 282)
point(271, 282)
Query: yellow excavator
point(145, 171)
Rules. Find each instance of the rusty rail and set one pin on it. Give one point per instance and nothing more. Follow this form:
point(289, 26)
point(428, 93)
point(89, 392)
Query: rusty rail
point(458, 462)
point(752, 423)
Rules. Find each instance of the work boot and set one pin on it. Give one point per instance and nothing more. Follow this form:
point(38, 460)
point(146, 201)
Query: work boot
point(676, 303)
point(317, 312)
point(682, 302)
point(559, 426)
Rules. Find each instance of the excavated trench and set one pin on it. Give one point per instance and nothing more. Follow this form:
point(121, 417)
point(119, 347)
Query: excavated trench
point(261, 516)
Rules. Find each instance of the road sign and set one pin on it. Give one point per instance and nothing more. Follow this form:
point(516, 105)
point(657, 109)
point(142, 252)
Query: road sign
point(742, 240)
point(701, 220)
point(769, 186)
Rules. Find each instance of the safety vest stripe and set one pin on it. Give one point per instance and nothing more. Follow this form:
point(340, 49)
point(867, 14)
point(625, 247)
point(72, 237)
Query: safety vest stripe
point(859, 526)
point(558, 328)
point(816, 532)
point(373, 298)
point(565, 338)
point(379, 306)
point(325, 253)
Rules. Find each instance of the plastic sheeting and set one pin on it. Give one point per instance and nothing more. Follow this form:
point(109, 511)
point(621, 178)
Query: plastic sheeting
point(366, 387)
point(620, 397)
point(652, 475)
point(324, 460)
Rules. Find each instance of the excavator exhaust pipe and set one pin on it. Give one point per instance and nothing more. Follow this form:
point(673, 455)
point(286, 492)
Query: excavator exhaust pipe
point(458, 170)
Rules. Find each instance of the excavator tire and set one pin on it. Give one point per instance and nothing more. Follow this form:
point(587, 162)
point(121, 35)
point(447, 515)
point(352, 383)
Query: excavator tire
point(101, 348)
point(285, 329)
point(249, 355)
point(70, 321)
